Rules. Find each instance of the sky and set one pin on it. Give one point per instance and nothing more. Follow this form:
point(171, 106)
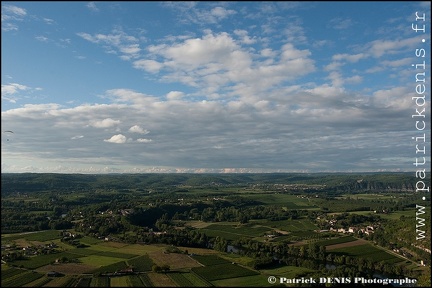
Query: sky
point(212, 87)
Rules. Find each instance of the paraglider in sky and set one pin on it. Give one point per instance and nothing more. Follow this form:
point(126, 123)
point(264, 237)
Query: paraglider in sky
point(8, 131)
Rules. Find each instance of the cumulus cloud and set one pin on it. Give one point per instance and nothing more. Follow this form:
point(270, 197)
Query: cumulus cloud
point(138, 129)
point(244, 37)
point(151, 66)
point(242, 98)
point(217, 60)
point(105, 123)
point(13, 92)
point(210, 135)
point(174, 95)
point(12, 88)
point(117, 139)
point(378, 48)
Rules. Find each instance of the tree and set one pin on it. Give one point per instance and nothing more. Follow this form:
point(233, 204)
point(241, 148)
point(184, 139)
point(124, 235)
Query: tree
point(165, 268)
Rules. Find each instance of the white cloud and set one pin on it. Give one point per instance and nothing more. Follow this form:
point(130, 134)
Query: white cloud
point(117, 139)
point(395, 98)
point(92, 6)
point(333, 66)
point(105, 123)
point(42, 38)
point(221, 13)
point(12, 88)
point(228, 100)
point(379, 48)
point(130, 49)
point(10, 11)
point(350, 58)
point(398, 63)
point(151, 66)
point(175, 95)
point(138, 129)
point(215, 61)
point(48, 21)
point(244, 37)
point(354, 79)
point(207, 134)
point(341, 23)
point(77, 137)
point(116, 42)
point(199, 51)
point(11, 14)
point(143, 140)
point(191, 12)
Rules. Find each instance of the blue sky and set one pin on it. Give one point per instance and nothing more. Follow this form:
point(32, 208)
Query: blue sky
point(97, 87)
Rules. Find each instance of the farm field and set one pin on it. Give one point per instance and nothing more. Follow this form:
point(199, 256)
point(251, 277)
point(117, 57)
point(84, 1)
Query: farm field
point(221, 234)
point(288, 271)
point(174, 260)
point(286, 200)
point(67, 268)
point(246, 281)
point(204, 267)
point(98, 260)
point(161, 280)
point(232, 232)
point(335, 241)
point(223, 271)
point(390, 216)
point(366, 251)
point(294, 225)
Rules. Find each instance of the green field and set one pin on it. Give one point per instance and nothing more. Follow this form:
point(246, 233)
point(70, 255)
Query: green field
point(233, 232)
point(180, 280)
point(89, 240)
point(99, 260)
point(41, 236)
point(141, 263)
point(286, 200)
point(111, 268)
point(42, 260)
point(223, 271)
point(390, 216)
point(122, 281)
point(367, 196)
point(239, 259)
point(84, 251)
point(208, 260)
point(19, 280)
point(334, 241)
point(246, 281)
point(288, 225)
point(288, 271)
point(368, 251)
point(100, 282)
